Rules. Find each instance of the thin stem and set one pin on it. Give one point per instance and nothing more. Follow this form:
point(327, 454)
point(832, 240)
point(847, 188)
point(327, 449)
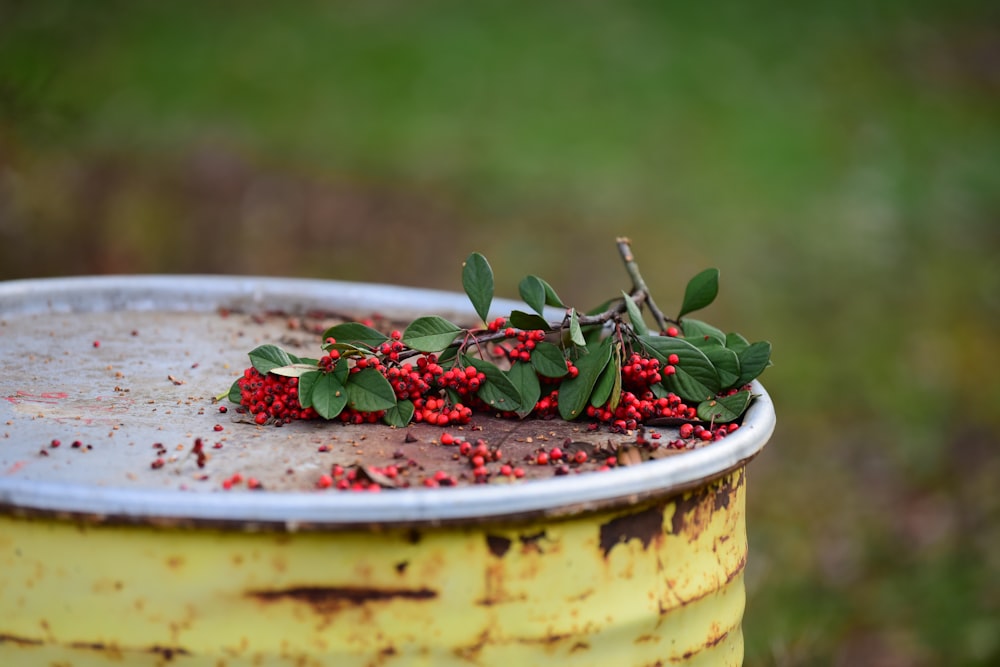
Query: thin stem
point(638, 284)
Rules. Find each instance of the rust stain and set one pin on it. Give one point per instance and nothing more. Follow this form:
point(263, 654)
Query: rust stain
point(498, 545)
point(175, 562)
point(711, 643)
point(644, 526)
point(328, 599)
point(531, 542)
point(23, 641)
point(694, 511)
point(113, 651)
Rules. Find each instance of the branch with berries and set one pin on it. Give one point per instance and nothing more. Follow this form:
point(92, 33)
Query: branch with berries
point(604, 365)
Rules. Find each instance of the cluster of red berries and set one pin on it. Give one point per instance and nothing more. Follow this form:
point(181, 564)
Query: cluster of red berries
point(352, 480)
point(479, 456)
point(272, 397)
point(446, 397)
point(527, 341)
point(689, 432)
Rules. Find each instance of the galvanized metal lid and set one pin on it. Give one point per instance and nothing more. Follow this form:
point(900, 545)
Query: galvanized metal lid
point(104, 377)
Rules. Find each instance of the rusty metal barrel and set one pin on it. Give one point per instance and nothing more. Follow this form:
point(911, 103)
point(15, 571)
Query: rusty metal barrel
point(119, 546)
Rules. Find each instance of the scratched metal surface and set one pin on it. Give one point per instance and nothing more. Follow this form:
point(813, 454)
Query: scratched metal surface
point(166, 347)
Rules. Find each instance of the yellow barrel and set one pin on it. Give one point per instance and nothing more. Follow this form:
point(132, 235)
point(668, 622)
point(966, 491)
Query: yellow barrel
point(106, 560)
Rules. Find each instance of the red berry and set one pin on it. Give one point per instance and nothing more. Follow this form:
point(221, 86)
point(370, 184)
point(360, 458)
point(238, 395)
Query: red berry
point(542, 459)
point(218, 427)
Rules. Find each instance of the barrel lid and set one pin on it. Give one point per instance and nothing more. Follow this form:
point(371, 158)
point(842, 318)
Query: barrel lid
point(122, 372)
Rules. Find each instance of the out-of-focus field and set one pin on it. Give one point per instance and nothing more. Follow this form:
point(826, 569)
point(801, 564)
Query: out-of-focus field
point(839, 163)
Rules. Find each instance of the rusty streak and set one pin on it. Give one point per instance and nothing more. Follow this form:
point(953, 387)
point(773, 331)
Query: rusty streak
point(167, 652)
point(24, 641)
point(644, 526)
point(322, 596)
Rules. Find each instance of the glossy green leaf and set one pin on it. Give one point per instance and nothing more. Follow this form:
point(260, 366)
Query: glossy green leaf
point(532, 291)
point(736, 342)
point(523, 377)
point(235, 394)
point(548, 360)
point(574, 393)
point(369, 391)
point(635, 315)
point(753, 360)
point(430, 334)
point(575, 333)
point(726, 362)
point(477, 279)
point(528, 321)
point(306, 384)
point(700, 333)
point(355, 334)
point(400, 414)
point(696, 378)
point(724, 410)
point(498, 391)
point(700, 292)
point(328, 396)
point(267, 357)
point(608, 384)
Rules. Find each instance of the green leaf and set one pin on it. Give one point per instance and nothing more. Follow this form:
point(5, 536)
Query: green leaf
point(609, 383)
point(726, 362)
point(551, 298)
point(753, 360)
point(575, 333)
point(498, 391)
point(574, 393)
point(524, 378)
point(532, 291)
point(430, 334)
point(699, 333)
point(696, 378)
point(726, 409)
point(235, 395)
point(354, 333)
point(477, 279)
point(528, 321)
point(307, 383)
point(328, 396)
point(736, 342)
point(400, 414)
point(701, 291)
point(267, 357)
point(548, 360)
point(635, 315)
point(369, 391)
point(294, 370)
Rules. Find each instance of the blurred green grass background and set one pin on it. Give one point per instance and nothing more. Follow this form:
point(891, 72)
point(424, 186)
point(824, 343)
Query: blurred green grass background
point(839, 162)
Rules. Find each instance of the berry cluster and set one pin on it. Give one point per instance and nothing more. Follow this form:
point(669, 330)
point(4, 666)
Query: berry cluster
point(446, 397)
point(272, 397)
point(527, 341)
